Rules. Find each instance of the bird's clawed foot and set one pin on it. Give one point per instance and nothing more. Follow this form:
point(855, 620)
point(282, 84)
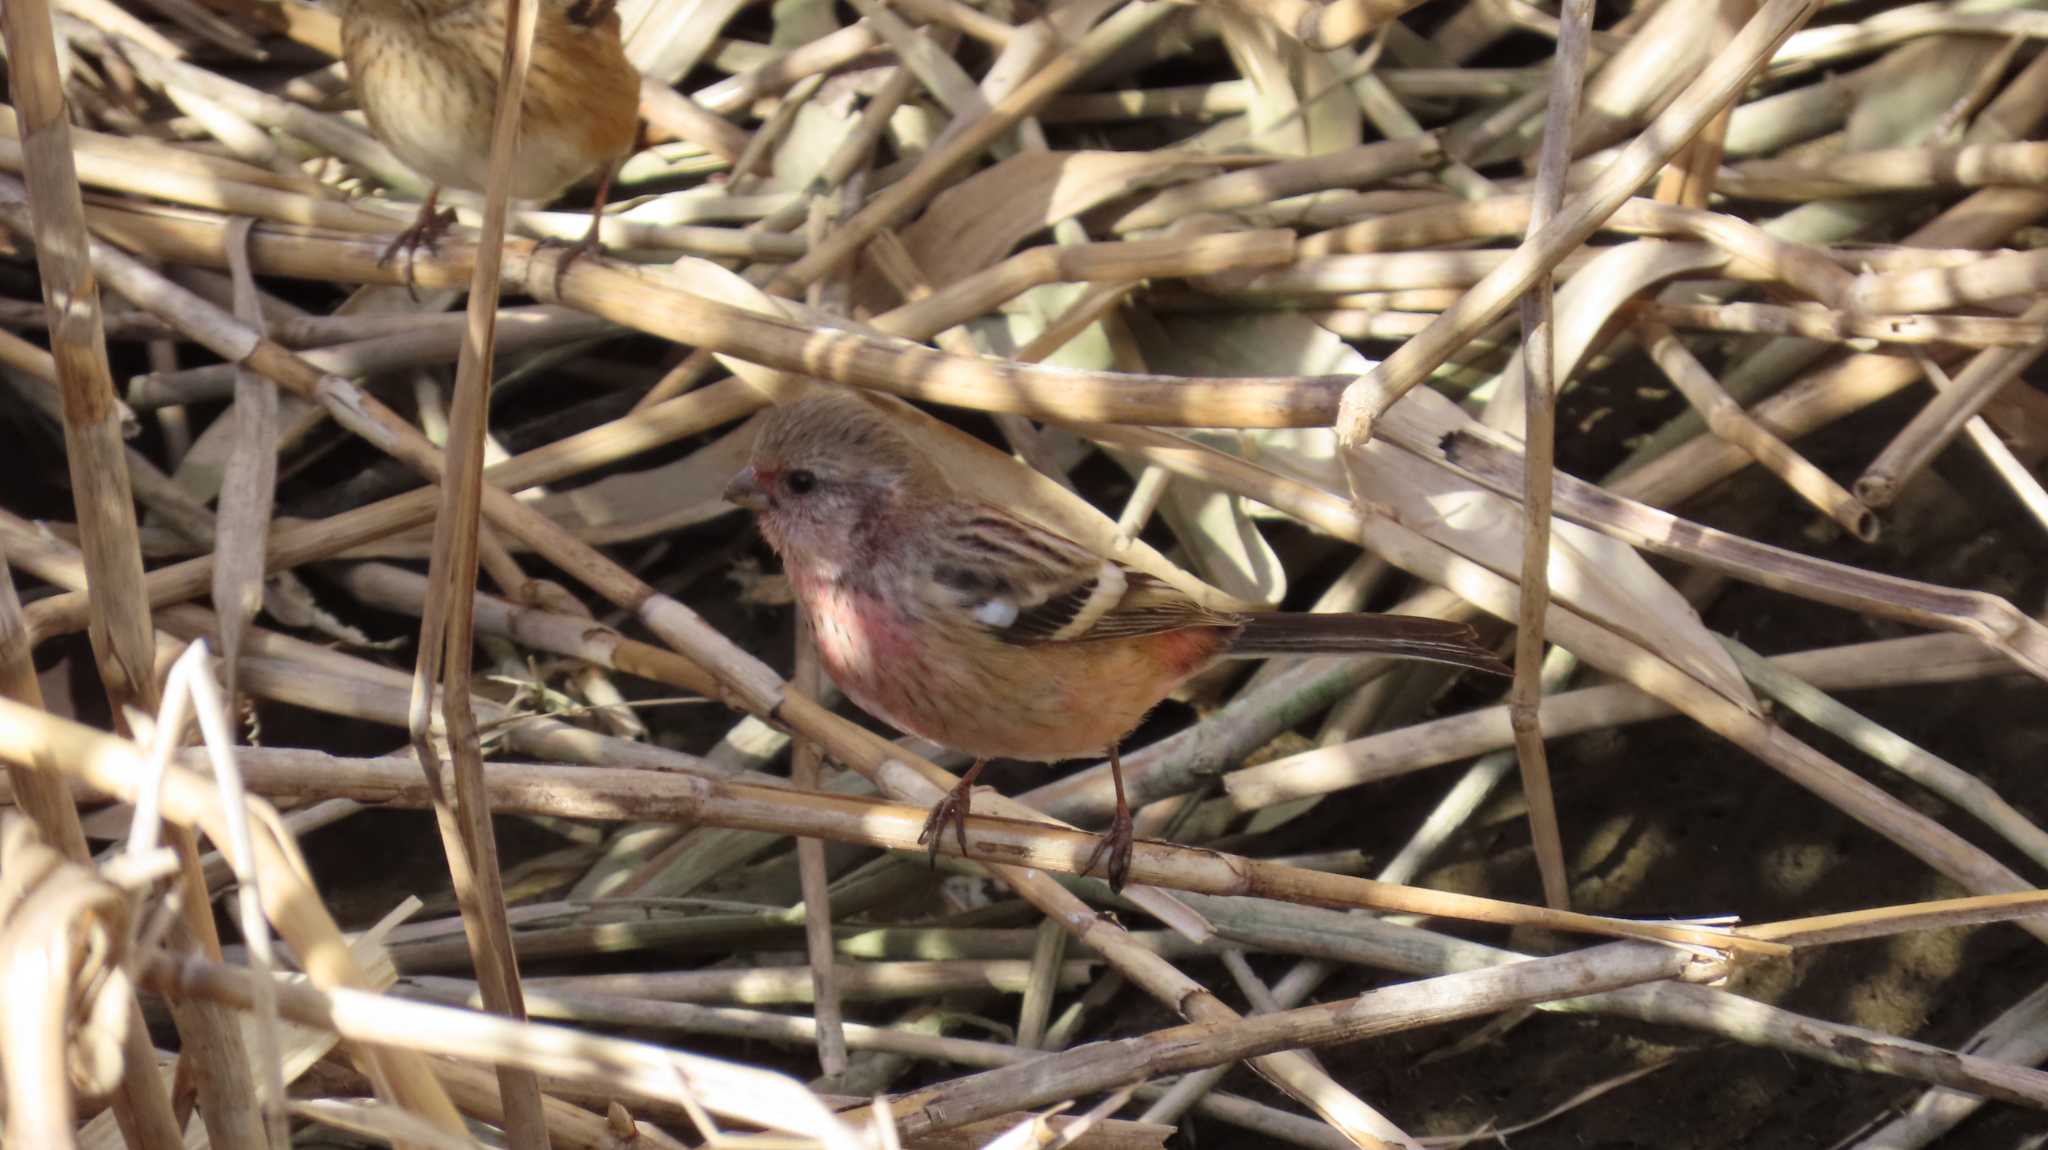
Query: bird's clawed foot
point(588, 245)
point(430, 226)
point(1115, 848)
point(954, 809)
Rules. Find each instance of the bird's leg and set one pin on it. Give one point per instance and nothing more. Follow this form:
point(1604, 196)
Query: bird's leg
point(1115, 844)
point(422, 234)
point(588, 243)
point(953, 809)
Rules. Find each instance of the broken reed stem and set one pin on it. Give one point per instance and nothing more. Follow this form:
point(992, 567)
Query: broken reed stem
point(1726, 419)
point(1368, 397)
point(1539, 391)
point(1951, 409)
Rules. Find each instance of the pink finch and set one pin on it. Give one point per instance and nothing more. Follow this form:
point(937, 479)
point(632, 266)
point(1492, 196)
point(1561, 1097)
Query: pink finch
point(962, 623)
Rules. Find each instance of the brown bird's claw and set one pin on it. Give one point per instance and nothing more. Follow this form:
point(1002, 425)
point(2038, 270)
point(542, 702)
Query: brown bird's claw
point(954, 808)
point(430, 226)
point(588, 245)
point(1115, 847)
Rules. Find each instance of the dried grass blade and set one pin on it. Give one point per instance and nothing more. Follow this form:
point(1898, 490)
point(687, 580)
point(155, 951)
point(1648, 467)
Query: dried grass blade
point(247, 485)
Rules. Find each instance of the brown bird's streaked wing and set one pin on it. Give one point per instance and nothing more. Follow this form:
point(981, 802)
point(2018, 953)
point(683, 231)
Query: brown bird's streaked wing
point(1029, 585)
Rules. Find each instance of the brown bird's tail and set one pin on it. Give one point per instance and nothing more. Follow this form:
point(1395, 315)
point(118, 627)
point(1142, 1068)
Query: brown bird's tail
point(1402, 636)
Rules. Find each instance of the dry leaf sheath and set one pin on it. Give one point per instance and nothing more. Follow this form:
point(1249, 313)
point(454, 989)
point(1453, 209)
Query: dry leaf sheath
point(959, 622)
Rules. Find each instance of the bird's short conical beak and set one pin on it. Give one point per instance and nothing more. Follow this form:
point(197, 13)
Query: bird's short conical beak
point(745, 491)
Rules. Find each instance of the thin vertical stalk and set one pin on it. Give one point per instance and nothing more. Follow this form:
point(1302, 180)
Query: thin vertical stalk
point(447, 626)
point(1539, 391)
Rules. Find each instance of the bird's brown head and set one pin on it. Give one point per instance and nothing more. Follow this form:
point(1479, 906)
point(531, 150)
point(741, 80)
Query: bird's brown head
point(827, 471)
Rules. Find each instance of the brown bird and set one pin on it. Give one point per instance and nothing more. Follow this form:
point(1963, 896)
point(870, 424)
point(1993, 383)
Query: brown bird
point(426, 75)
point(984, 632)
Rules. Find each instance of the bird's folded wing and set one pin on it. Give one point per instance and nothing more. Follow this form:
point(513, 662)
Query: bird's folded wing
point(1029, 585)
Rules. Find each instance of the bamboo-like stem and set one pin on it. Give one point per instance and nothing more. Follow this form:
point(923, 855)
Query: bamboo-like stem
point(1726, 419)
point(1367, 398)
point(1539, 454)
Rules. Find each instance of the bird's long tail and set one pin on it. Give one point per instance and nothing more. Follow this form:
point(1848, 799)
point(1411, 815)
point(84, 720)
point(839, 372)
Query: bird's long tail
point(1403, 636)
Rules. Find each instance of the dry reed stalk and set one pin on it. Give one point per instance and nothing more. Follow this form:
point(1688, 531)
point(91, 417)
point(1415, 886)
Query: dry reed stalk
point(805, 771)
point(1758, 254)
point(1103, 1065)
point(521, 329)
point(1539, 434)
point(1958, 786)
point(1995, 278)
point(1726, 419)
point(910, 192)
point(141, 1105)
point(1327, 24)
point(1378, 943)
point(1354, 167)
point(1368, 398)
point(1819, 323)
point(119, 627)
point(766, 985)
point(1951, 409)
point(1886, 921)
point(2015, 1037)
point(1993, 620)
point(376, 1021)
point(1814, 47)
point(114, 766)
point(568, 1004)
point(305, 542)
point(613, 794)
point(447, 628)
point(670, 111)
point(64, 940)
point(1894, 662)
point(328, 133)
point(2021, 164)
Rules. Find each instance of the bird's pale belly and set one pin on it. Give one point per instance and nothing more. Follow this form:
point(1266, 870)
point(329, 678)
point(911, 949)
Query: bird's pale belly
point(980, 696)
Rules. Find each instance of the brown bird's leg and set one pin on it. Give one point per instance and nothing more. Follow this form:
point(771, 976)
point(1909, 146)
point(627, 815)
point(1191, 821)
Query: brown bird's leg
point(422, 234)
point(954, 809)
point(1115, 844)
point(588, 243)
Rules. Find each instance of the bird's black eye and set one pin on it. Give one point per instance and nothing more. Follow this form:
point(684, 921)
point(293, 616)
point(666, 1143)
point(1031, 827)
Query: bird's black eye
point(800, 482)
